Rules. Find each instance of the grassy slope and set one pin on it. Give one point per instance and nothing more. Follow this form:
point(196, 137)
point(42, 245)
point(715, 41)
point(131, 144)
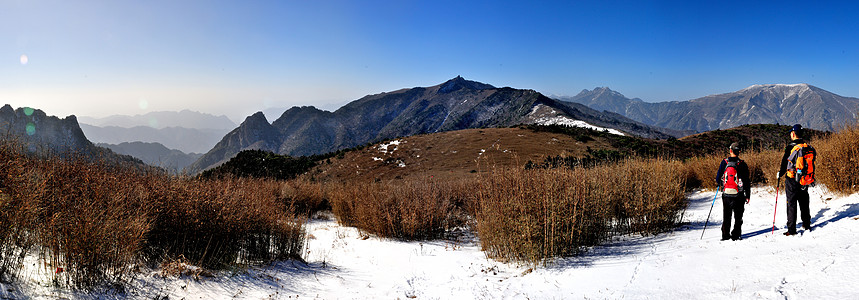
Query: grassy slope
point(454, 154)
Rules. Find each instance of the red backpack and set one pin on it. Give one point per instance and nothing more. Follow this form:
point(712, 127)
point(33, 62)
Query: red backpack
point(731, 181)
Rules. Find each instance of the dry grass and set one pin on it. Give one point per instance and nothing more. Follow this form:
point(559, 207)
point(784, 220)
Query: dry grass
point(534, 215)
point(451, 155)
point(218, 223)
point(412, 210)
point(92, 223)
point(838, 160)
point(305, 196)
point(701, 171)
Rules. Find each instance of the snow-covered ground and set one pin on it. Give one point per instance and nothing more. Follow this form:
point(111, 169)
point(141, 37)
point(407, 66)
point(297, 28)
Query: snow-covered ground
point(345, 264)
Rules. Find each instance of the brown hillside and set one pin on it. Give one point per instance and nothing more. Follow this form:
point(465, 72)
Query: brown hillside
point(458, 154)
point(452, 155)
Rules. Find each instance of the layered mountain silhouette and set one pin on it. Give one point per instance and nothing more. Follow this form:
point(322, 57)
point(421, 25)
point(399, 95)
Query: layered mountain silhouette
point(187, 131)
point(188, 140)
point(163, 119)
point(453, 105)
point(804, 104)
point(155, 154)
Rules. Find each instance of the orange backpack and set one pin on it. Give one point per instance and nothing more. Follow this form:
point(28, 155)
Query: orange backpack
point(801, 164)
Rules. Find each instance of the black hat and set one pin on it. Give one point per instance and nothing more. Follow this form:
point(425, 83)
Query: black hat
point(735, 147)
point(797, 128)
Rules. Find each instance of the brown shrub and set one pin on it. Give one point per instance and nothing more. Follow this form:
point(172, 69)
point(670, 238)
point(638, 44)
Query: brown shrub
point(93, 223)
point(412, 209)
point(305, 196)
point(534, 215)
point(701, 171)
point(838, 160)
point(218, 223)
point(763, 166)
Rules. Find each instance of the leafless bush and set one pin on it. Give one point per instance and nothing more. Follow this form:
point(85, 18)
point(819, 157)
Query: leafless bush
point(534, 215)
point(94, 223)
point(838, 160)
point(412, 209)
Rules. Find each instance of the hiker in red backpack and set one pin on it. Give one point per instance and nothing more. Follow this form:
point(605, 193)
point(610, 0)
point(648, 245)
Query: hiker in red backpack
point(733, 179)
point(798, 164)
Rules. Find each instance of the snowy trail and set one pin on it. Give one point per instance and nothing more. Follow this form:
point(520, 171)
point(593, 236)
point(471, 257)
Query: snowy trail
point(344, 264)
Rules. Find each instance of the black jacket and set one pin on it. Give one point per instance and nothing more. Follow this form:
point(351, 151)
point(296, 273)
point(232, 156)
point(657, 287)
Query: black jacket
point(742, 170)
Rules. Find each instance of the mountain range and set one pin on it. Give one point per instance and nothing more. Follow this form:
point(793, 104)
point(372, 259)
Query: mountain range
point(163, 119)
point(187, 140)
point(155, 154)
point(804, 104)
point(452, 105)
point(186, 131)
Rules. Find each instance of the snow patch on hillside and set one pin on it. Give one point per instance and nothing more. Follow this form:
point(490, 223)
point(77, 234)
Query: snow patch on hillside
point(385, 148)
point(561, 120)
point(544, 115)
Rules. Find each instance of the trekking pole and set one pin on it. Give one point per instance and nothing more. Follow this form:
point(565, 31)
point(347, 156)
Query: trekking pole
point(708, 214)
point(776, 204)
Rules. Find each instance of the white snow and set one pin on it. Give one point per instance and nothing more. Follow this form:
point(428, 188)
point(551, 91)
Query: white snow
point(343, 263)
point(384, 148)
point(377, 159)
point(785, 91)
point(561, 120)
point(544, 115)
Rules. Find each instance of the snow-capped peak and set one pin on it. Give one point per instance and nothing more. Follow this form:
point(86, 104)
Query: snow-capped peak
point(778, 86)
point(783, 91)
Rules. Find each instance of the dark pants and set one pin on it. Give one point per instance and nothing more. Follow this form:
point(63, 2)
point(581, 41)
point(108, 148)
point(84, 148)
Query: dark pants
point(796, 194)
point(735, 205)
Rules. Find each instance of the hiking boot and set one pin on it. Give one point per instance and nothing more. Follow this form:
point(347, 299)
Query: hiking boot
point(788, 233)
point(806, 227)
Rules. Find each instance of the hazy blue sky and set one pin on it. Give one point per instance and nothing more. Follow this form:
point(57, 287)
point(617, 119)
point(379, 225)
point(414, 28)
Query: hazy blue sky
point(95, 58)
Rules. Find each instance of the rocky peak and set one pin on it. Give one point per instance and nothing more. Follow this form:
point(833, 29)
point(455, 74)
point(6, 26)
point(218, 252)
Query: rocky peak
point(256, 119)
point(458, 83)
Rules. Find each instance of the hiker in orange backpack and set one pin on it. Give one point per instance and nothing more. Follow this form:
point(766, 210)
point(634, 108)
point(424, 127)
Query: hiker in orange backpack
point(733, 179)
point(798, 164)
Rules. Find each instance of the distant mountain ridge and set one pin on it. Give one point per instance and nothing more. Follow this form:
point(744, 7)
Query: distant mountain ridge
point(188, 140)
point(453, 105)
point(155, 154)
point(163, 119)
point(802, 103)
